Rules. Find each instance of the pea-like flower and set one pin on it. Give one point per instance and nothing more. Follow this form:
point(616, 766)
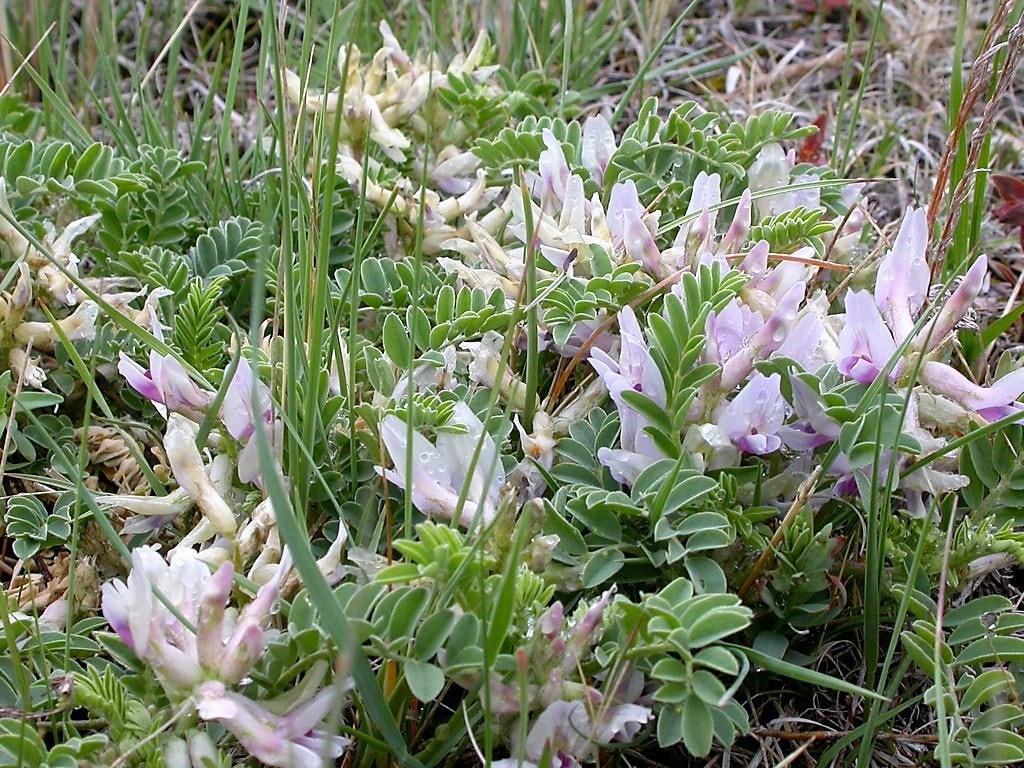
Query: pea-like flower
point(246, 400)
point(165, 382)
point(997, 401)
point(635, 370)
point(217, 645)
point(440, 470)
point(753, 418)
point(290, 740)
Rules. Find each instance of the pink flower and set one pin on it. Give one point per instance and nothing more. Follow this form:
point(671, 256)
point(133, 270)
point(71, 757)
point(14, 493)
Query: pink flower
point(247, 399)
point(598, 147)
point(285, 741)
point(220, 645)
point(954, 308)
point(166, 382)
point(628, 224)
point(991, 403)
point(753, 418)
point(636, 371)
point(901, 286)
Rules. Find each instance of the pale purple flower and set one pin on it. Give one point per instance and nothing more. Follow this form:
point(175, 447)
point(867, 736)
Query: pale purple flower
point(755, 263)
point(246, 400)
point(729, 330)
point(767, 340)
point(753, 418)
point(814, 427)
point(901, 286)
point(634, 370)
point(739, 227)
point(285, 741)
point(695, 236)
point(166, 382)
point(566, 731)
point(440, 471)
point(144, 623)
point(240, 408)
point(778, 280)
point(220, 646)
point(770, 171)
point(554, 174)
point(628, 224)
point(865, 343)
point(598, 147)
point(954, 308)
point(803, 340)
point(455, 171)
point(991, 403)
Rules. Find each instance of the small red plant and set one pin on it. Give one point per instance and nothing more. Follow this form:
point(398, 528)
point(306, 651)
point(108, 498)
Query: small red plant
point(1011, 212)
point(810, 149)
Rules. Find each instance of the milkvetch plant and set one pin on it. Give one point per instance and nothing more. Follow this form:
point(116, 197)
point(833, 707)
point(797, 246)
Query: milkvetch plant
point(582, 433)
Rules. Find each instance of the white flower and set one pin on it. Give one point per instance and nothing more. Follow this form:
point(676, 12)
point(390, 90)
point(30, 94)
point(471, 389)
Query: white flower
point(440, 472)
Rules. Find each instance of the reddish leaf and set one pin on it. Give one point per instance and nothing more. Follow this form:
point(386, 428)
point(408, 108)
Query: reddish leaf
point(810, 150)
point(1011, 212)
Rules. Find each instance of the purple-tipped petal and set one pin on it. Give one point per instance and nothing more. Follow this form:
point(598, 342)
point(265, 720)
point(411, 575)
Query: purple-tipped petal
point(139, 378)
point(953, 310)
point(865, 344)
point(210, 620)
point(991, 403)
point(901, 286)
point(753, 418)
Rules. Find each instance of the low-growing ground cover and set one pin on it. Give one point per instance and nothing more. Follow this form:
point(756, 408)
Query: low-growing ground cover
point(510, 384)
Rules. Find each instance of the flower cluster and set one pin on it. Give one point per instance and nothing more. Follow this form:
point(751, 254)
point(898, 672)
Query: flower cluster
point(742, 411)
point(572, 717)
point(175, 616)
point(49, 279)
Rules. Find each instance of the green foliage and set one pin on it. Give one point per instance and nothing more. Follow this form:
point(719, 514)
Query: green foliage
point(33, 527)
point(983, 653)
point(474, 106)
point(663, 156)
point(520, 147)
point(198, 332)
point(35, 171)
point(571, 300)
point(429, 412)
point(793, 229)
point(438, 554)
point(162, 212)
point(801, 588)
point(28, 440)
point(996, 471)
point(676, 336)
point(17, 117)
point(227, 250)
point(677, 633)
point(105, 695)
point(21, 744)
point(155, 266)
